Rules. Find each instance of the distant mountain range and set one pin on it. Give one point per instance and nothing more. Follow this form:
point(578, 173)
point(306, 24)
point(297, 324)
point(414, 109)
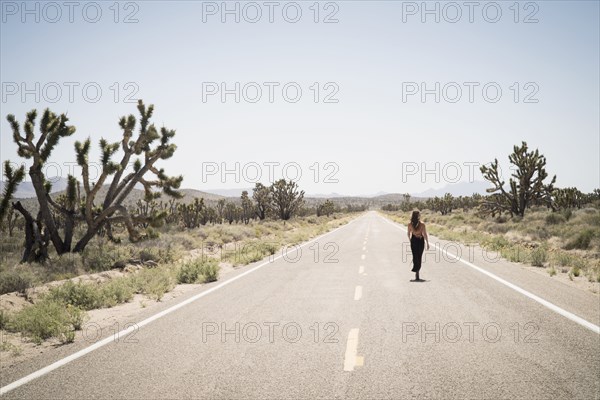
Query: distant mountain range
point(457, 189)
point(25, 190)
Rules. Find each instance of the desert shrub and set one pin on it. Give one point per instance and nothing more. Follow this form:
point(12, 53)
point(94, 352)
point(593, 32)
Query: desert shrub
point(89, 296)
point(16, 281)
point(210, 270)
point(150, 254)
point(563, 259)
point(555, 218)
point(494, 228)
point(539, 256)
point(67, 265)
point(270, 247)
point(567, 213)
point(496, 243)
point(102, 258)
point(515, 253)
point(47, 319)
point(256, 251)
point(581, 241)
point(116, 291)
point(82, 295)
point(153, 282)
point(552, 271)
point(190, 272)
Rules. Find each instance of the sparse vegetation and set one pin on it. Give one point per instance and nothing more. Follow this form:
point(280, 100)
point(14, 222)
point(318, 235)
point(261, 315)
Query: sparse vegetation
point(48, 319)
point(539, 256)
point(581, 241)
point(560, 247)
point(198, 271)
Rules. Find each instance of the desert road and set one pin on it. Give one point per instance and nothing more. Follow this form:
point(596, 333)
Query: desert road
point(343, 320)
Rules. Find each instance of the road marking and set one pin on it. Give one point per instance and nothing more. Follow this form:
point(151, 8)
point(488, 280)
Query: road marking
point(357, 293)
point(545, 303)
point(350, 358)
point(361, 269)
point(57, 364)
point(364, 248)
point(362, 257)
point(365, 243)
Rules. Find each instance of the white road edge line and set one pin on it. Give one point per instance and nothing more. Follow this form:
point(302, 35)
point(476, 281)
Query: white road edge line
point(351, 350)
point(545, 303)
point(57, 364)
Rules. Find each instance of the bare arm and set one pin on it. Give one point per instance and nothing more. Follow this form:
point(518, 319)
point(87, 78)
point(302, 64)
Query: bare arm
point(425, 236)
point(408, 231)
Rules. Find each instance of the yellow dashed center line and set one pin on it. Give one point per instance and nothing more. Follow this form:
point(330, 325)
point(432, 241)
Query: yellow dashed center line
point(358, 293)
point(351, 360)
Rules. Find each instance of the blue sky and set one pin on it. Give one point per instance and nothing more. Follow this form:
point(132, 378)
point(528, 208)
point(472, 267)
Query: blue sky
point(370, 56)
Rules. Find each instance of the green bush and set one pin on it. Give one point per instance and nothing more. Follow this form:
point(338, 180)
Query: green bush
point(199, 270)
point(16, 281)
point(515, 253)
point(552, 271)
point(82, 295)
point(117, 291)
point(211, 270)
point(102, 258)
point(581, 241)
point(496, 243)
point(539, 256)
point(47, 319)
point(190, 272)
point(89, 296)
point(158, 252)
point(153, 282)
point(270, 248)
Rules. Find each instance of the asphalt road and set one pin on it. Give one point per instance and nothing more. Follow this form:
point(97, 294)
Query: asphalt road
point(344, 320)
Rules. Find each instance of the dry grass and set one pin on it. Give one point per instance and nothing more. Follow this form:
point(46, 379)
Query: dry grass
point(566, 241)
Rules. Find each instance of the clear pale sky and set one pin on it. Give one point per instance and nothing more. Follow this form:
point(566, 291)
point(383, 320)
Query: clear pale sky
point(371, 55)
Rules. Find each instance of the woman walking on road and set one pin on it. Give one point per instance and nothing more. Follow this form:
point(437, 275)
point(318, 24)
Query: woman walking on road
point(417, 234)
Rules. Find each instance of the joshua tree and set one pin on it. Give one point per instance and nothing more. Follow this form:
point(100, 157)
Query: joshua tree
point(525, 189)
point(326, 208)
point(74, 208)
point(567, 198)
point(231, 212)
point(285, 198)
point(247, 207)
point(191, 214)
point(13, 178)
point(262, 196)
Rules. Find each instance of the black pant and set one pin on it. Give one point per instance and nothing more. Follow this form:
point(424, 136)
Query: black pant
point(417, 245)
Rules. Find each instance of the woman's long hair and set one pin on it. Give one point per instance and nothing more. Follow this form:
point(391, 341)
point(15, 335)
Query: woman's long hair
point(414, 219)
